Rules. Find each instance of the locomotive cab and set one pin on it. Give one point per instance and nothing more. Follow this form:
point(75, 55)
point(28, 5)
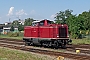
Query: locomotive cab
point(41, 23)
point(35, 23)
point(45, 33)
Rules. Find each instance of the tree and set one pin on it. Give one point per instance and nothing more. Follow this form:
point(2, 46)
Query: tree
point(28, 21)
point(75, 23)
point(62, 16)
point(86, 19)
point(20, 27)
point(72, 22)
point(12, 28)
point(15, 23)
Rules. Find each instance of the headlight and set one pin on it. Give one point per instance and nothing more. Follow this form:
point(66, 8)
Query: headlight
point(62, 25)
point(68, 36)
point(57, 36)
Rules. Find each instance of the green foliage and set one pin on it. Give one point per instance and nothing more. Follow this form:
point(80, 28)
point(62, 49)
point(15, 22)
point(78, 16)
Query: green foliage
point(21, 34)
point(21, 28)
point(12, 28)
point(15, 23)
point(75, 23)
point(62, 16)
point(86, 19)
point(11, 34)
point(28, 21)
point(15, 34)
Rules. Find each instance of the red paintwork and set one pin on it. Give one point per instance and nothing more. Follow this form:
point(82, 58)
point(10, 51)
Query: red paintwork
point(46, 31)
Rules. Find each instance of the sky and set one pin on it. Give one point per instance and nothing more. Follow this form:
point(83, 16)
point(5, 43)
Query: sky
point(11, 10)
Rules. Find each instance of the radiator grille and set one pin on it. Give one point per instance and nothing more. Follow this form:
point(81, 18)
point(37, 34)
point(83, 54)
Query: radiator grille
point(62, 32)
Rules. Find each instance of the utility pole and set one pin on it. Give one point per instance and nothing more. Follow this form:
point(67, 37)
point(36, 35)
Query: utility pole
point(9, 20)
point(17, 17)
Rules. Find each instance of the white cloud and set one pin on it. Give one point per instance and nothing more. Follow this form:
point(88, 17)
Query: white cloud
point(10, 11)
point(21, 12)
point(52, 16)
point(33, 12)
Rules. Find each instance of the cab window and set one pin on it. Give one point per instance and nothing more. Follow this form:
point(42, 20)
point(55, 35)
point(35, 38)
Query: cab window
point(49, 22)
point(41, 24)
point(34, 24)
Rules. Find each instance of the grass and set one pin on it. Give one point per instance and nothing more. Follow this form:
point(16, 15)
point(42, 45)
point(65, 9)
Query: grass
point(10, 54)
point(5, 36)
point(81, 41)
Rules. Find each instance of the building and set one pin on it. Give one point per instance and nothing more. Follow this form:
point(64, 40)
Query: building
point(21, 22)
point(7, 23)
point(7, 26)
point(7, 29)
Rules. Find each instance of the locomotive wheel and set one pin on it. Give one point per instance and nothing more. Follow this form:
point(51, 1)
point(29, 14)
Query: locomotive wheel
point(63, 46)
point(30, 43)
point(56, 45)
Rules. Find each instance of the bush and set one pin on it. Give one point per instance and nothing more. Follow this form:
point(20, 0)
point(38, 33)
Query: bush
point(21, 34)
point(11, 34)
point(15, 34)
point(74, 36)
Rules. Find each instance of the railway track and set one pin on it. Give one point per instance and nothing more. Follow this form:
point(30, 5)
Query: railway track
point(73, 48)
point(12, 42)
point(83, 48)
point(8, 39)
point(80, 46)
point(16, 45)
point(52, 53)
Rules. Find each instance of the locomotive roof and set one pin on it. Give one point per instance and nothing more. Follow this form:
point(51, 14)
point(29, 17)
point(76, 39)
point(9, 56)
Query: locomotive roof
point(38, 21)
point(35, 21)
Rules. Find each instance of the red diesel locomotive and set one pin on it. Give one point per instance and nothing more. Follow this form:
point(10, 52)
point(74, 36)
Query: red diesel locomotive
point(45, 33)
